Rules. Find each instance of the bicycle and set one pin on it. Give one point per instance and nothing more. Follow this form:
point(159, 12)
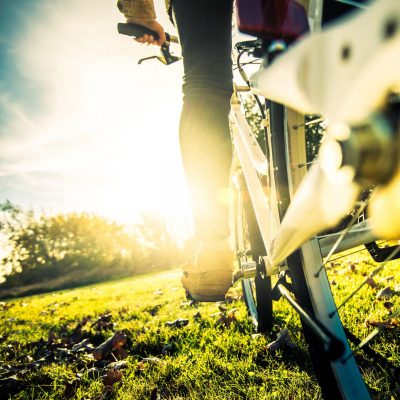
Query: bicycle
point(272, 189)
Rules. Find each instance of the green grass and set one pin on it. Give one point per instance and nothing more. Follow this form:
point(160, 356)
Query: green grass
point(209, 358)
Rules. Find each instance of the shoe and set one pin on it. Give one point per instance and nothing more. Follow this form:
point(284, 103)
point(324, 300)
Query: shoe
point(209, 276)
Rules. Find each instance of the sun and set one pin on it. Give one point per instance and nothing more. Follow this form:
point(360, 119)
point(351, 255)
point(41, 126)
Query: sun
point(137, 165)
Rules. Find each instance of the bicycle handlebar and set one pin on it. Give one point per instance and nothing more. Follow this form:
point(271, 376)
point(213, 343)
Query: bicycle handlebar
point(136, 30)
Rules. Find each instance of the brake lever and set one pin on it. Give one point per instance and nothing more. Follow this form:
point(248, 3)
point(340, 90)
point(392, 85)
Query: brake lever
point(167, 58)
point(166, 55)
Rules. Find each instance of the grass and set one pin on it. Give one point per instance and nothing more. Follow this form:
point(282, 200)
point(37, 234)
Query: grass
point(208, 354)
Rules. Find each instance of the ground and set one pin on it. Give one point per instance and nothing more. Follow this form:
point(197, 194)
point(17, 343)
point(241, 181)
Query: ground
point(140, 338)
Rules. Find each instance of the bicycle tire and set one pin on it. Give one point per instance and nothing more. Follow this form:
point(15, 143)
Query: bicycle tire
point(257, 292)
point(337, 380)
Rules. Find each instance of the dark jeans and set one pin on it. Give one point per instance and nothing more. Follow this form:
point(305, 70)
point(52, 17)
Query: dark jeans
point(204, 28)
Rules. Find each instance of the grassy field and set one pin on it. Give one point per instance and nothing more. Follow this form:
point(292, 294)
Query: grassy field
point(163, 347)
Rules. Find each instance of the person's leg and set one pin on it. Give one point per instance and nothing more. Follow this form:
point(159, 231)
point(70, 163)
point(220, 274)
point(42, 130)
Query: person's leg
point(204, 29)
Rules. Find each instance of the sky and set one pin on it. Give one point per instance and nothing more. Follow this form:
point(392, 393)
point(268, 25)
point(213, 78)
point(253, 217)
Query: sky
point(83, 127)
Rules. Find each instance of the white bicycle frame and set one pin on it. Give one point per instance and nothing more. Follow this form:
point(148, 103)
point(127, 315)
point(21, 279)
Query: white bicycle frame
point(253, 163)
point(323, 198)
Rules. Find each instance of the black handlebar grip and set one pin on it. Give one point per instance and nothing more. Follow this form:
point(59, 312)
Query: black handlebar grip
point(136, 30)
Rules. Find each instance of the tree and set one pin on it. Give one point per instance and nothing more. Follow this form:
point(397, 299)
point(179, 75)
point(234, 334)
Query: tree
point(73, 246)
point(161, 246)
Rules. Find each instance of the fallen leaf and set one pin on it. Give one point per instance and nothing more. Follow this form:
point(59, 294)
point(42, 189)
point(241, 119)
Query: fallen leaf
point(111, 377)
point(120, 354)
point(388, 324)
point(370, 281)
point(351, 267)
point(119, 365)
point(153, 310)
point(115, 342)
point(178, 323)
point(387, 279)
point(385, 293)
point(389, 305)
point(283, 339)
point(141, 366)
point(197, 316)
point(222, 308)
point(159, 394)
point(103, 322)
point(83, 345)
point(227, 318)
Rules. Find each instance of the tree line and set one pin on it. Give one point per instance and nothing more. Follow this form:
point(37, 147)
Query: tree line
point(49, 252)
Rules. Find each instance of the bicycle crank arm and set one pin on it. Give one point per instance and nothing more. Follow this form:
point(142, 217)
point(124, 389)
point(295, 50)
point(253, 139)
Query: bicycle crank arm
point(332, 345)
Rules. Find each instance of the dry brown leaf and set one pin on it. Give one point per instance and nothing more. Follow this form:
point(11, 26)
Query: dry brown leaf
point(153, 310)
point(388, 324)
point(227, 318)
point(351, 267)
point(389, 305)
point(111, 377)
point(115, 342)
point(370, 281)
point(385, 293)
point(197, 316)
point(103, 322)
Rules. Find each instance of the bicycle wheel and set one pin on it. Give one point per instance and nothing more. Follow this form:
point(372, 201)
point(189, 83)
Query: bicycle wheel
point(338, 379)
point(250, 247)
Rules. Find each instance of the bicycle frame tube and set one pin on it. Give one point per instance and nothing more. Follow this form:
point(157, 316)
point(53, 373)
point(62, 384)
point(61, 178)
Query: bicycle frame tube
point(250, 156)
point(358, 235)
point(254, 151)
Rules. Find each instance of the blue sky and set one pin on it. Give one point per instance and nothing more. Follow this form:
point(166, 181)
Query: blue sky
point(82, 126)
